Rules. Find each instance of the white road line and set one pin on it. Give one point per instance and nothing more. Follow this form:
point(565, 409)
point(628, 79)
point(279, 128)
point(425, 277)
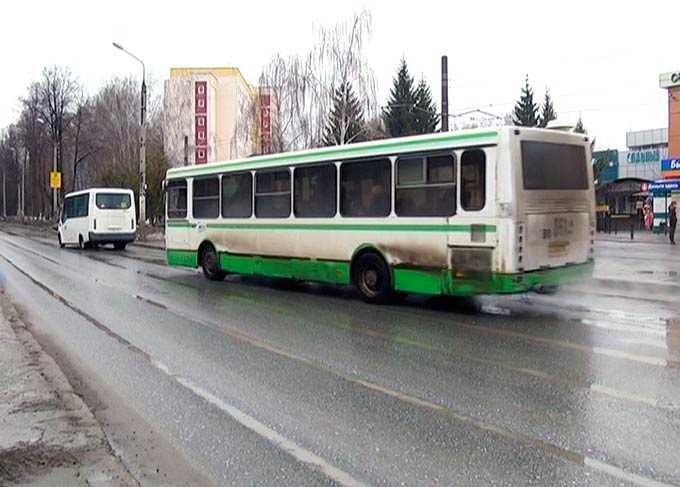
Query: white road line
point(645, 359)
point(622, 474)
point(608, 391)
point(278, 440)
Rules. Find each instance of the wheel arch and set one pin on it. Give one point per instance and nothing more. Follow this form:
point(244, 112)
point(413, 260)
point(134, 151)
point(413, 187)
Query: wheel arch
point(370, 248)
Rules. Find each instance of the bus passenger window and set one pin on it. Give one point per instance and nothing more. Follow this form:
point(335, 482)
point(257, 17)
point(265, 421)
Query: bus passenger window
point(315, 191)
point(365, 188)
point(272, 194)
point(473, 180)
point(206, 198)
point(176, 196)
point(426, 186)
point(237, 195)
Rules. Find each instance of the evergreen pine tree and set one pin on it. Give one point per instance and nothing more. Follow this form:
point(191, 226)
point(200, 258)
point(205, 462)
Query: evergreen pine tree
point(426, 117)
point(547, 110)
point(579, 128)
point(399, 115)
point(526, 111)
point(345, 123)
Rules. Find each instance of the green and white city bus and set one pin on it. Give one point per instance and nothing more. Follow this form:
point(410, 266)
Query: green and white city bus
point(502, 210)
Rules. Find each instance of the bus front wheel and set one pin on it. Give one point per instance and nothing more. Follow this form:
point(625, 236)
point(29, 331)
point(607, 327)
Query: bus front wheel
point(372, 278)
point(211, 264)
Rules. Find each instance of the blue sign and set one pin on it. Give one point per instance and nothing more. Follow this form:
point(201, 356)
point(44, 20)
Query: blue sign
point(670, 165)
point(667, 185)
point(643, 156)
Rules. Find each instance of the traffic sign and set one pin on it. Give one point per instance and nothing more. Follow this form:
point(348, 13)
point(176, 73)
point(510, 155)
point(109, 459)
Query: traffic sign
point(55, 180)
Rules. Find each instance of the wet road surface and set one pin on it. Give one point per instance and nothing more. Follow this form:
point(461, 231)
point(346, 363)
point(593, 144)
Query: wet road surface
point(251, 381)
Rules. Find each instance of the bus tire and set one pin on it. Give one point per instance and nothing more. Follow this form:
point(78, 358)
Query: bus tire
point(61, 244)
point(210, 264)
point(548, 290)
point(119, 245)
point(371, 276)
point(81, 243)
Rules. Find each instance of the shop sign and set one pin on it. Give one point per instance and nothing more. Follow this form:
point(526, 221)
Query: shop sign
point(670, 168)
point(667, 185)
point(641, 156)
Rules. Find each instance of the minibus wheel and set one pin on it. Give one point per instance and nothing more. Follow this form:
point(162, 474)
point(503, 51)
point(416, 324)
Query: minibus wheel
point(61, 244)
point(371, 276)
point(81, 244)
point(211, 263)
point(119, 245)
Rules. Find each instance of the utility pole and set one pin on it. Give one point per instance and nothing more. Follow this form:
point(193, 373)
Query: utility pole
point(445, 94)
point(54, 190)
point(142, 140)
point(4, 190)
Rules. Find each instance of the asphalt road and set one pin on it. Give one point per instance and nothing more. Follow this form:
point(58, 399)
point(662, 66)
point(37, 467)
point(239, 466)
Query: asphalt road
point(253, 382)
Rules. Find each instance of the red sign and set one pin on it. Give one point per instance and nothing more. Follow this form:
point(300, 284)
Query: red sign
point(201, 121)
point(265, 124)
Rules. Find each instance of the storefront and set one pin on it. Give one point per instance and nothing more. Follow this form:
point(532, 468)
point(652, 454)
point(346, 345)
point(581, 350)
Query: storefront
point(622, 200)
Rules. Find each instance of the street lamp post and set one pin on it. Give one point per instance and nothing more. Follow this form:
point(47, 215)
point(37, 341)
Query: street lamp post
point(142, 140)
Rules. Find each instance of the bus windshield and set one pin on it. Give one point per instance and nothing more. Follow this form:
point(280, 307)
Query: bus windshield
point(113, 201)
point(550, 166)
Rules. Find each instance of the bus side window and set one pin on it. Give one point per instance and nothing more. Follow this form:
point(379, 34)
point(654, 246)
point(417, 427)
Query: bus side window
point(365, 188)
point(177, 199)
point(272, 194)
point(426, 186)
point(473, 180)
point(67, 212)
point(237, 195)
point(315, 191)
point(206, 198)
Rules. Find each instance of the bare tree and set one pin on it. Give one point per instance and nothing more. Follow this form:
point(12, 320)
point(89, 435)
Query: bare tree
point(303, 85)
point(58, 89)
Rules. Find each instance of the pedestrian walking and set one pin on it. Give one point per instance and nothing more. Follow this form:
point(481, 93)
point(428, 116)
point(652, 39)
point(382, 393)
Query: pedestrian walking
point(673, 221)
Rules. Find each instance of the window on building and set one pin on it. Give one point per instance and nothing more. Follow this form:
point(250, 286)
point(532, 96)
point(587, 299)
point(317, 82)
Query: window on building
point(201, 103)
point(272, 194)
point(176, 195)
point(237, 195)
point(206, 198)
point(426, 185)
point(201, 135)
point(315, 191)
point(365, 188)
point(473, 180)
point(201, 121)
point(201, 89)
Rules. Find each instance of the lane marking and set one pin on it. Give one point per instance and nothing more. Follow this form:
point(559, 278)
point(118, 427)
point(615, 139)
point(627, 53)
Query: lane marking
point(559, 381)
point(278, 440)
point(564, 453)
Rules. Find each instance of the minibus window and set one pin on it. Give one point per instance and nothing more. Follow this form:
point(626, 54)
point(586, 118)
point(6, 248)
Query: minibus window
point(113, 201)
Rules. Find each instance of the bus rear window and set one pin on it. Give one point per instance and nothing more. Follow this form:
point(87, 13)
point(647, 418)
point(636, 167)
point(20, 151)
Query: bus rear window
point(113, 201)
point(552, 166)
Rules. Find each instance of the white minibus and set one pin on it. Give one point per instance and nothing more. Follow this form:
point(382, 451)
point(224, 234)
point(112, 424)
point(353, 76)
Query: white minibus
point(98, 216)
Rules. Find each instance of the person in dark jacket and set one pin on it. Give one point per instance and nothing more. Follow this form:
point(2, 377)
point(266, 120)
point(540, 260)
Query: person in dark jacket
point(672, 221)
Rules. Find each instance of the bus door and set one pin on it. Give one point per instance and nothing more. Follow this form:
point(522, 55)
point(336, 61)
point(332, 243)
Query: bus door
point(473, 238)
point(177, 225)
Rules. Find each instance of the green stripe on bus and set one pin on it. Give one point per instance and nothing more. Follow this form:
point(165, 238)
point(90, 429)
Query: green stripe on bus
point(354, 227)
point(183, 258)
point(320, 155)
point(415, 280)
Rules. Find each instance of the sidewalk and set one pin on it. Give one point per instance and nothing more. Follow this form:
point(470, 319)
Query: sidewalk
point(640, 236)
point(48, 436)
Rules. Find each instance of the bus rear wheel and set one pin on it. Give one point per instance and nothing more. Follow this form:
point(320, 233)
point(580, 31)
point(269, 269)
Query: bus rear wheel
point(211, 264)
point(371, 276)
point(119, 245)
point(61, 243)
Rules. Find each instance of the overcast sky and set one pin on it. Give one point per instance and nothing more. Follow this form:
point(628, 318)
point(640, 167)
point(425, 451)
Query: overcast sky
point(600, 59)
